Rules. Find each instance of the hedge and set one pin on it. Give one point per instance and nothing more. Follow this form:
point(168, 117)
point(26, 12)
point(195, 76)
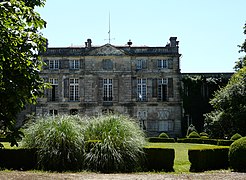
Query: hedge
point(208, 159)
point(18, 159)
point(197, 141)
point(222, 142)
point(159, 140)
point(159, 159)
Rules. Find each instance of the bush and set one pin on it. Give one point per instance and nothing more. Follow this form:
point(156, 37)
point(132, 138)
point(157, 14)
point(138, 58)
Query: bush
point(18, 159)
point(204, 134)
point(222, 142)
point(163, 140)
point(236, 137)
point(120, 145)
point(59, 142)
point(197, 141)
point(237, 155)
point(159, 159)
point(163, 135)
point(194, 134)
point(208, 159)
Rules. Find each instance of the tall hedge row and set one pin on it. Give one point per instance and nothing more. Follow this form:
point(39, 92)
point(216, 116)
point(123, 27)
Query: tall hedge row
point(159, 159)
point(208, 159)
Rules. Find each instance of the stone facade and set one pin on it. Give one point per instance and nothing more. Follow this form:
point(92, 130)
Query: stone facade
point(143, 82)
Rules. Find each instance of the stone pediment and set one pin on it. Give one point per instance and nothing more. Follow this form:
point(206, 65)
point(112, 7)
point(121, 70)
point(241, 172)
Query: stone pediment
point(107, 50)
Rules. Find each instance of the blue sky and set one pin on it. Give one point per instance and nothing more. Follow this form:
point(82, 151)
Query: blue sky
point(208, 30)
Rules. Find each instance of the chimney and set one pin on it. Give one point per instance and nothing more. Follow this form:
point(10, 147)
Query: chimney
point(89, 43)
point(173, 42)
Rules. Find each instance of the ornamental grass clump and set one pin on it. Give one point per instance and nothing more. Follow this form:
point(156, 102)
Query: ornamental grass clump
point(117, 144)
point(59, 142)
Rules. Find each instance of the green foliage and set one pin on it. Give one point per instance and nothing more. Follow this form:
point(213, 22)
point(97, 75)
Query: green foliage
point(193, 134)
point(195, 100)
point(236, 137)
point(158, 139)
point(159, 159)
point(237, 155)
point(20, 64)
point(190, 129)
point(229, 103)
point(163, 135)
point(208, 159)
point(18, 159)
point(120, 146)
point(222, 142)
point(59, 142)
point(198, 141)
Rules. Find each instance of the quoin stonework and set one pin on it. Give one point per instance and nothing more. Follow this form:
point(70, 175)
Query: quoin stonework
point(142, 82)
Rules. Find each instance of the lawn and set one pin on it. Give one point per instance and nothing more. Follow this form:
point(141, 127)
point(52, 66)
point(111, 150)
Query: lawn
point(181, 161)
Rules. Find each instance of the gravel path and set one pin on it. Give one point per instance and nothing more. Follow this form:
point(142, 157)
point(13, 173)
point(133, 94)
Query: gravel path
point(213, 175)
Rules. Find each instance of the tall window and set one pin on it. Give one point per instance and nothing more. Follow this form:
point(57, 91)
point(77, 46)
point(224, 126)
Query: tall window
point(54, 64)
point(141, 90)
point(139, 64)
point(107, 89)
point(53, 112)
point(53, 96)
point(74, 89)
point(162, 89)
point(74, 64)
point(162, 63)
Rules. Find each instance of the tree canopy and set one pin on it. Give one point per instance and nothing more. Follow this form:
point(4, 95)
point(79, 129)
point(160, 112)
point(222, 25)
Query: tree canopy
point(230, 103)
point(20, 64)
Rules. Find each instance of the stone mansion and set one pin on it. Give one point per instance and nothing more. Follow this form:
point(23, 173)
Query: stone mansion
point(142, 82)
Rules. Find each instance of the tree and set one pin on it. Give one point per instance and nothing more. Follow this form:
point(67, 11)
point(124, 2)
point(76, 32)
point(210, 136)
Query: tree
point(230, 104)
point(20, 64)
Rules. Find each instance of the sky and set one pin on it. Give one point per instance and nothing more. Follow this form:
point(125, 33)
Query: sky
point(208, 31)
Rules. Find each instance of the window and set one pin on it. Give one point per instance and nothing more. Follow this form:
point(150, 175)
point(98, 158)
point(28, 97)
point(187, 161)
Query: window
point(107, 89)
point(141, 64)
point(74, 89)
point(53, 112)
point(73, 111)
point(74, 64)
point(107, 64)
point(162, 89)
point(53, 95)
point(141, 90)
point(166, 125)
point(162, 63)
point(54, 64)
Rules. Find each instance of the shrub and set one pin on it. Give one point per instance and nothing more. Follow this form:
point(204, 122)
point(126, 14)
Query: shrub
point(164, 140)
point(159, 159)
point(18, 159)
point(208, 159)
point(237, 155)
point(59, 142)
point(236, 137)
point(120, 145)
point(190, 129)
point(222, 142)
point(163, 135)
point(194, 134)
point(203, 134)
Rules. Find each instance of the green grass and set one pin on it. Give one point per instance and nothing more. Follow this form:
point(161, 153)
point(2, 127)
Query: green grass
point(181, 161)
point(7, 145)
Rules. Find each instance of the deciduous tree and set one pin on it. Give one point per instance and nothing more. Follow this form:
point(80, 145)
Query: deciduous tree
point(20, 64)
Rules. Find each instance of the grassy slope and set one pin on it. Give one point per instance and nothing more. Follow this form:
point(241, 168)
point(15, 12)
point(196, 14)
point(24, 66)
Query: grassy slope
point(181, 162)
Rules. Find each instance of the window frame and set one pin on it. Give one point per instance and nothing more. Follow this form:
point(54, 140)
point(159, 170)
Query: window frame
point(54, 64)
point(74, 89)
point(108, 90)
point(141, 89)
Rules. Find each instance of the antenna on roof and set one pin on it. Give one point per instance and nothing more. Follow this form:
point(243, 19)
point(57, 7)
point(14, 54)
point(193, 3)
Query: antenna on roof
point(109, 30)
